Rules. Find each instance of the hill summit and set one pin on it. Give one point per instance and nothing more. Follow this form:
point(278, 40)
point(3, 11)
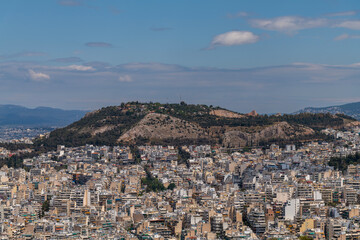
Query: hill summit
point(184, 124)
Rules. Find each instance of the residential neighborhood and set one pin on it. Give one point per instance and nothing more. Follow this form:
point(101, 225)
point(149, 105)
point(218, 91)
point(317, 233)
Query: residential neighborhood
point(188, 192)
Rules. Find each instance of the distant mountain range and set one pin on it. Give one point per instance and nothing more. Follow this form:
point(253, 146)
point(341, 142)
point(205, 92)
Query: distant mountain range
point(350, 109)
point(18, 116)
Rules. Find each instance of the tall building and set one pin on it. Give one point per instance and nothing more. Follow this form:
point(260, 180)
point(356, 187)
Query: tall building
point(87, 198)
point(292, 208)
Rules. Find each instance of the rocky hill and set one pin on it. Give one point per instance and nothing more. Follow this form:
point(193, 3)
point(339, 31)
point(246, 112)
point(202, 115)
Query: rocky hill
point(178, 124)
point(350, 109)
point(162, 126)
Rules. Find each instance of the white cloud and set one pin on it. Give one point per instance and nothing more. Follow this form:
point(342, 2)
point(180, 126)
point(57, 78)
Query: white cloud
point(234, 38)
point(67, 60)
point(38, 76)
point(342, 37)
point(125, 78)
point(152, 66)
point(354, 24)
point(289, 23)
point(355, 65)
point(308, 66)
point(78, 68)
point(260, 88)
point(346, 36)
point(341, 14)
point(316, 66)
point(238, 15)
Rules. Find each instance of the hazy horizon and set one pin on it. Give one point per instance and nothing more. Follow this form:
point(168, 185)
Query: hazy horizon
point(89, 110)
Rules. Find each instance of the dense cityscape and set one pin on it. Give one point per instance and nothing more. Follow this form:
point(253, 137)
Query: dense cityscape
point(190, 192)
point(179, 120)
point(21, 134)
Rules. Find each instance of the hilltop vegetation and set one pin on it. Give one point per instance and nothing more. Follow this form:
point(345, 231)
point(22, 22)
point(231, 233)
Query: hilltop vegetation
point(179, 124)
point(92, 129)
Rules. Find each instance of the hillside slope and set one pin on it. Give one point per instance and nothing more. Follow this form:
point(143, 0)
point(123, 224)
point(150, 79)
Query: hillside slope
point(281, 130)
point(177, 124)
point(158, 126)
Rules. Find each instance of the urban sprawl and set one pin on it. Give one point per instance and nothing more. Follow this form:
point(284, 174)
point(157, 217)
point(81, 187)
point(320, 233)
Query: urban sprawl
point(191, 192)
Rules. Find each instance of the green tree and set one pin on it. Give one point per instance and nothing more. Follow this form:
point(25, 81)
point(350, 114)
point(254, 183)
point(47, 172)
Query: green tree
point(171, 186)
point(341, 163)
point(44, 208)
point(152, 184)
point(183, 157)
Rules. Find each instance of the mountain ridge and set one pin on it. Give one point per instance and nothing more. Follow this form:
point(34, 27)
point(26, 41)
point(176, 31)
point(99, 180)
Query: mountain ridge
point(350, 109)
point(20, 116)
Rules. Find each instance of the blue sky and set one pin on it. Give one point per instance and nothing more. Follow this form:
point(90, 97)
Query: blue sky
point(272, 56)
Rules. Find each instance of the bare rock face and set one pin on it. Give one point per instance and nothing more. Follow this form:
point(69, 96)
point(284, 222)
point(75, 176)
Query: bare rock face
point(161, 126)
point(226, 113)
point(102, 129)
point(253, 113)
point(236, 139)
point(282, 130)
point(353, 124)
